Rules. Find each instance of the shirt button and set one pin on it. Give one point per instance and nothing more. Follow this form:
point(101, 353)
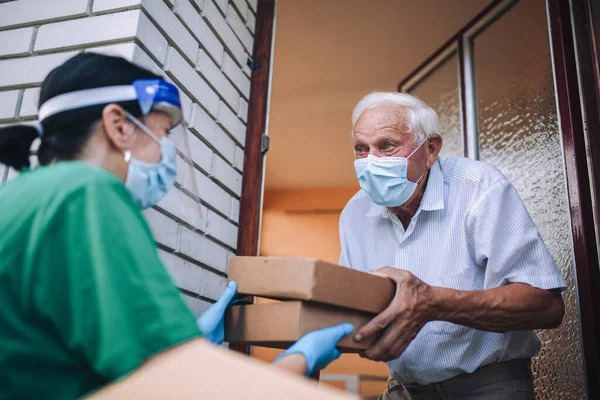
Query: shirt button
point(401, 245)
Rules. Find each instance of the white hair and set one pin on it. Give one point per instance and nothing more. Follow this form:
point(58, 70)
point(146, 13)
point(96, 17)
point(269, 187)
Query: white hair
point(422, 121)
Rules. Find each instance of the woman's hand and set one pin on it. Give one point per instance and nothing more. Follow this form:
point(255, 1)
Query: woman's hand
point(211, 323)
point(317, 348)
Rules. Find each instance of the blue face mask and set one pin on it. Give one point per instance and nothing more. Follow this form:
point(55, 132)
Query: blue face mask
point(385, 179)
point(150, 182)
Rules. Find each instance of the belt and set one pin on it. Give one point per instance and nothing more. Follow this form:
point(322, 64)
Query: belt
point(486, 375)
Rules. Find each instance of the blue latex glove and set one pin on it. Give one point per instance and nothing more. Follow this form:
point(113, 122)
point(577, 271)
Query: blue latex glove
point(211, 323)
point(318, 347)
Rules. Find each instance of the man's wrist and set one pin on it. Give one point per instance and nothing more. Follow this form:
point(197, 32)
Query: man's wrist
point(437, 298)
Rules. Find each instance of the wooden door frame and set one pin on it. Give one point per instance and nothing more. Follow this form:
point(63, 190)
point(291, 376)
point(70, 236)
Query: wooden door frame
point(573, 105)
point(579, 184)
point(252, 174)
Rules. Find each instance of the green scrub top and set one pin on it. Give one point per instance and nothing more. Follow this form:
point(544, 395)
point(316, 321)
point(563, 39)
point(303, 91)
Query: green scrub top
point(84, 297)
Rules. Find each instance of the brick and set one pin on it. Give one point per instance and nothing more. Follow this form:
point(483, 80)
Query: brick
point(251, 22)
point(206, 127)
point(131, 52)
point(196, 306)
point(180, 170)
point(200, 29)
point(60, 35)
point(253, 4)
point(174, 29)
point(238, 161)
point(30, 70)
point(114, 5)
point(188, 78)
point(8, 104)
point(141, 58)
point(243, 110)
point(184, 208)
point(186, 106)
point(125, 50)
point(188, 179)
point(220, 25)
point(240, 30)
point(152, 39)
point(184, 274)
point(199, 153)
point(201, 249)
point(163, 228)
point(16, 42)
point(13, 14)
point(213, 285)
point(211, 193)
point(178, 136)
point(200, 4)
point(222, 230)
point(237, 76)
point(228, 120)
point(222, 5)
point(246, 69)
point(217, 80)
point(235, 210)
point(228, 176)
point(242, 8)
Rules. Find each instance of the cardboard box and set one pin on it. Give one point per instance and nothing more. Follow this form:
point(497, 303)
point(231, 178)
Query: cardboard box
point(199, 370)
point(279, 325)
point(311, 280)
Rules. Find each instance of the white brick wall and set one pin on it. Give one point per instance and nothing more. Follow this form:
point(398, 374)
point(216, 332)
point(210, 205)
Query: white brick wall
point(8, 104)
point(16, 42)
point(201, 46)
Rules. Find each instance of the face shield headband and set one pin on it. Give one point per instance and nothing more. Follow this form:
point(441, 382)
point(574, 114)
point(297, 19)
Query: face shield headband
point(151, 95)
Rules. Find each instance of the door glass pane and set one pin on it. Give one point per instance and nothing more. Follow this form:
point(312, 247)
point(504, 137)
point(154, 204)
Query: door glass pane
point(439, 90)
point(518, 132)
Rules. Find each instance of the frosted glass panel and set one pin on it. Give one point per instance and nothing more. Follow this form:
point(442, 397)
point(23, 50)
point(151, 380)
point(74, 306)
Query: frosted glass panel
point(518, 132)
point(440, 91)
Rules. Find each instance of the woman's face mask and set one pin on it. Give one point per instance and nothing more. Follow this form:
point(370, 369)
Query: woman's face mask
point(150, 182)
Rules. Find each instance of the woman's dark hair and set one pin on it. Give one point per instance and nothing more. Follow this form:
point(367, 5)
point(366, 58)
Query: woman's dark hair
point(65, 134)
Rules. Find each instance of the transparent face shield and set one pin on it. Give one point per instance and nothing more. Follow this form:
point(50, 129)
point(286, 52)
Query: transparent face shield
point(183, 200)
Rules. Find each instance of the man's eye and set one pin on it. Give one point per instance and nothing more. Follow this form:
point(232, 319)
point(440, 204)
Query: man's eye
point(387, 146)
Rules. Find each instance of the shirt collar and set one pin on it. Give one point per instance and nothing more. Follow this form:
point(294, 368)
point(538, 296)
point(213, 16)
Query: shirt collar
point(433, 198)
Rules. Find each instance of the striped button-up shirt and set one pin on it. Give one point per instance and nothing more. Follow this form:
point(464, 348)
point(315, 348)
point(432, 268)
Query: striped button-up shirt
point(470, 232)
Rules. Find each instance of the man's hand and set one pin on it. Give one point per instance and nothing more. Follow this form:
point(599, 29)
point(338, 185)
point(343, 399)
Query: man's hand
point(400, 322)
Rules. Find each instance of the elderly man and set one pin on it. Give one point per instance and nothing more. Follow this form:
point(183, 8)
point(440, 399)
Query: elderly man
point(473, 276)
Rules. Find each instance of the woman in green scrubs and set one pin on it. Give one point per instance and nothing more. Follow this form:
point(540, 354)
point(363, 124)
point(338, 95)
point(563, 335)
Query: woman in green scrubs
point(84, 297)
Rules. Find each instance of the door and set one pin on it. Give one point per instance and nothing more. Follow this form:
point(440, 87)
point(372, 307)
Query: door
point(495, 87)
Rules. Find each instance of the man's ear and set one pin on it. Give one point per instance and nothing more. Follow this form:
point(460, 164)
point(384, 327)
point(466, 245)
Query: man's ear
point(434, 146)
point(118, 132)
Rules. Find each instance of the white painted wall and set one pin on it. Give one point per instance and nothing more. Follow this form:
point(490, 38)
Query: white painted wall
point(200, 45)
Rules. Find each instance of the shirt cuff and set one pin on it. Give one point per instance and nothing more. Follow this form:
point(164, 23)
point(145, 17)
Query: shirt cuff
point(546, 282)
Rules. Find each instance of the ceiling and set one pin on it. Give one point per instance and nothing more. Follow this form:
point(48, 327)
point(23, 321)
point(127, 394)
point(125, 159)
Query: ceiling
point(330, 53)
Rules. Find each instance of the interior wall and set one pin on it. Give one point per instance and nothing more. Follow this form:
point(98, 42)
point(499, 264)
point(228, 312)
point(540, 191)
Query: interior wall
point(304, 223)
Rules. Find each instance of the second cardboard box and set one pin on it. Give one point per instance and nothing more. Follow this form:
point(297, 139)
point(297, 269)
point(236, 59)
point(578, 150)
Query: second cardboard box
point(279, 325)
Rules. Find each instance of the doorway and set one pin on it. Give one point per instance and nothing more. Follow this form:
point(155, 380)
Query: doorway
point(505, 86)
